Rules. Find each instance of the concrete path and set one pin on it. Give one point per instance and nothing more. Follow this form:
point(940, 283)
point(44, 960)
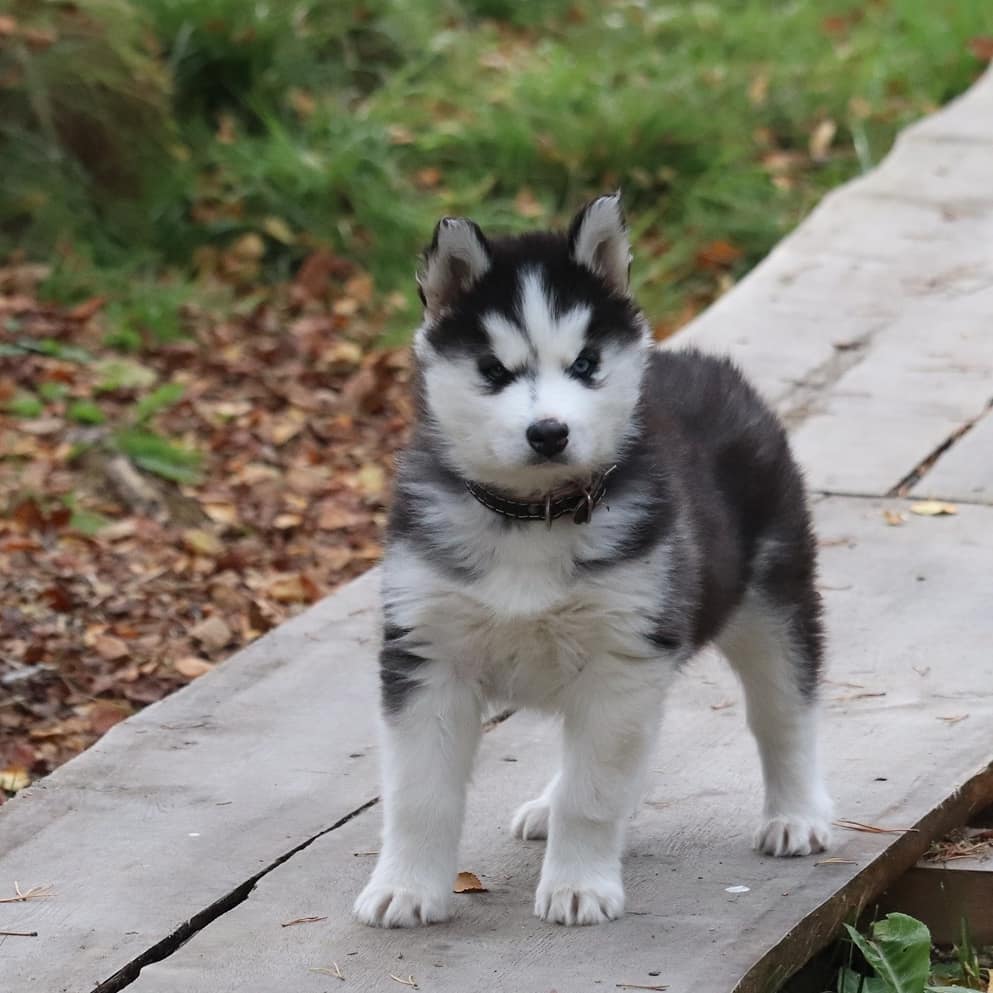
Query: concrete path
point(182, 846)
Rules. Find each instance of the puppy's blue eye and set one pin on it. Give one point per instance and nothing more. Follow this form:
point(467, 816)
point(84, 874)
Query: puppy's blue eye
point(494, 371)
point(586, 364)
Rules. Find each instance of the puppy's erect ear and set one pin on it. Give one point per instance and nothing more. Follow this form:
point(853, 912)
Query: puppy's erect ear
point(457, 256)
point(598, 240)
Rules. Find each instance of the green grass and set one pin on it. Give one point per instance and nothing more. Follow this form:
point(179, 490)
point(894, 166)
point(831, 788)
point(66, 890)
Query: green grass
point(148, 136)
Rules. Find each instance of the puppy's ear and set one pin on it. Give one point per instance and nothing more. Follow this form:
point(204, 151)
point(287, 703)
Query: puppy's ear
point(598, 240)
point(457, 256)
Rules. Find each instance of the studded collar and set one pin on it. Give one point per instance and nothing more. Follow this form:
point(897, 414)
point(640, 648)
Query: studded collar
point(577, 501)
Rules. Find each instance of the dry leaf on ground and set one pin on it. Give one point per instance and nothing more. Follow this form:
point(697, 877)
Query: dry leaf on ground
point(191, 666)
point(933, 508)
point(468, 882)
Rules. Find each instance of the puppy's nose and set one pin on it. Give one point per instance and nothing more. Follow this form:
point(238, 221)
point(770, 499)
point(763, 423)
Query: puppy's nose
point(548, 436)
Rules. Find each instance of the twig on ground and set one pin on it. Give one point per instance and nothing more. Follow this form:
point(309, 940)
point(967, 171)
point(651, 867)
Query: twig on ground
point(302, 920)
point(18, 934)
point(35, 893)
point(969, 844)
point(636, 986)
point(854, 696)
point(324, 971)
point(870, 828)
point(409, 981)
point(836, 861)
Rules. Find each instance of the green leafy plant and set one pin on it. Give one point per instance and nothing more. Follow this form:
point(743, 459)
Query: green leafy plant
point(153, 453)
point(898, 950)
point(85, 412)
point(25, 404)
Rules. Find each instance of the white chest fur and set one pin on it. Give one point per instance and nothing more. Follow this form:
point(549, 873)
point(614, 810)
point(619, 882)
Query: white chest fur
point(530, 620)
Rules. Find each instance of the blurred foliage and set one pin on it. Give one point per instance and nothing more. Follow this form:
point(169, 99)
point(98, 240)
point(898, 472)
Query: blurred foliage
point(142, 137)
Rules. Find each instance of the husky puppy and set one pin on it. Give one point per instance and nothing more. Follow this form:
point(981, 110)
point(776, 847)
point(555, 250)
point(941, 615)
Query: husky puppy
point(577, 514)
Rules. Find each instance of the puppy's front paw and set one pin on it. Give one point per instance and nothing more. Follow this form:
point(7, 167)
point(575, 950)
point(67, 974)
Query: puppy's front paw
point(531, 820)
point(396, 905)
point(793, 834)
point(579, 902)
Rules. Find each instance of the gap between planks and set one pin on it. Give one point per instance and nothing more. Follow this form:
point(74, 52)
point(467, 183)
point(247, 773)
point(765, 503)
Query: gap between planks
point(162, 949)
point(166, 946)
point(856, 495)
point(926, 464)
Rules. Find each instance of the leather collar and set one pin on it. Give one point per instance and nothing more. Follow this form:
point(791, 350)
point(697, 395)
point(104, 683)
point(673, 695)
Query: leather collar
point(577, 501)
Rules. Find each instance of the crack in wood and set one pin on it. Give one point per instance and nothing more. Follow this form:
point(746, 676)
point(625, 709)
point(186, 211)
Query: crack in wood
point(923, 467)
point(163, 949)
point(125, 976)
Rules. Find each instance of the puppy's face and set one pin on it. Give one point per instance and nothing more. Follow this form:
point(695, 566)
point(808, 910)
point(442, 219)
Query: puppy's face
point(531, 351)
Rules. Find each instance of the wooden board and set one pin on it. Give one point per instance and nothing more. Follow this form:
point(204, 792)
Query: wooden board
point(176, 808)
point(945, 895)
point(897, 679)
point(910, 390)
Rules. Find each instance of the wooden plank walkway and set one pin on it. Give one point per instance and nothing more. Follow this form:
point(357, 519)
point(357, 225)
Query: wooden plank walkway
point(183, 841)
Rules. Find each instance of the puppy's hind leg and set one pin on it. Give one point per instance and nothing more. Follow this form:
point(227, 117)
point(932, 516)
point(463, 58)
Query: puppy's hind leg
point(530, 821)
point(775, 650)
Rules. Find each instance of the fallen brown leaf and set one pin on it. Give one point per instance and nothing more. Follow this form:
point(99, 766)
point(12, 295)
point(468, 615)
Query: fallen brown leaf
point(212, 632)
point(110, 648)
point(718, 254)
point(894, 518)
point(202, 542)
point(192, 666)
point(982, 48)
point(821, 139)
point(933, 508)
point(468, 882)
point(12, 779)
point(527, 204)
point(104, 714)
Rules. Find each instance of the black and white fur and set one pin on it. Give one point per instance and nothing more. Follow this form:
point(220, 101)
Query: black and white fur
point(706, 537)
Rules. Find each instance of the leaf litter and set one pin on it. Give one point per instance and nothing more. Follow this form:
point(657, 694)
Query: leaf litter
point(239, 474)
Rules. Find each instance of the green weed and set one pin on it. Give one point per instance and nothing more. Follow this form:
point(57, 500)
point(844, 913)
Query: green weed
point(898, 952)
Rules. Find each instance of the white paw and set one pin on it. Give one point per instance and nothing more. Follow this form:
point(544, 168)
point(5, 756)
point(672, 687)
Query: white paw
point(394, 905)
point(581, 902)
point(531, 820)
point(793, 834)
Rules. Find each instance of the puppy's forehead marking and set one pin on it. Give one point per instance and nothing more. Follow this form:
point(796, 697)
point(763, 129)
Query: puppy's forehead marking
point(508, 341)
point(559, 336)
